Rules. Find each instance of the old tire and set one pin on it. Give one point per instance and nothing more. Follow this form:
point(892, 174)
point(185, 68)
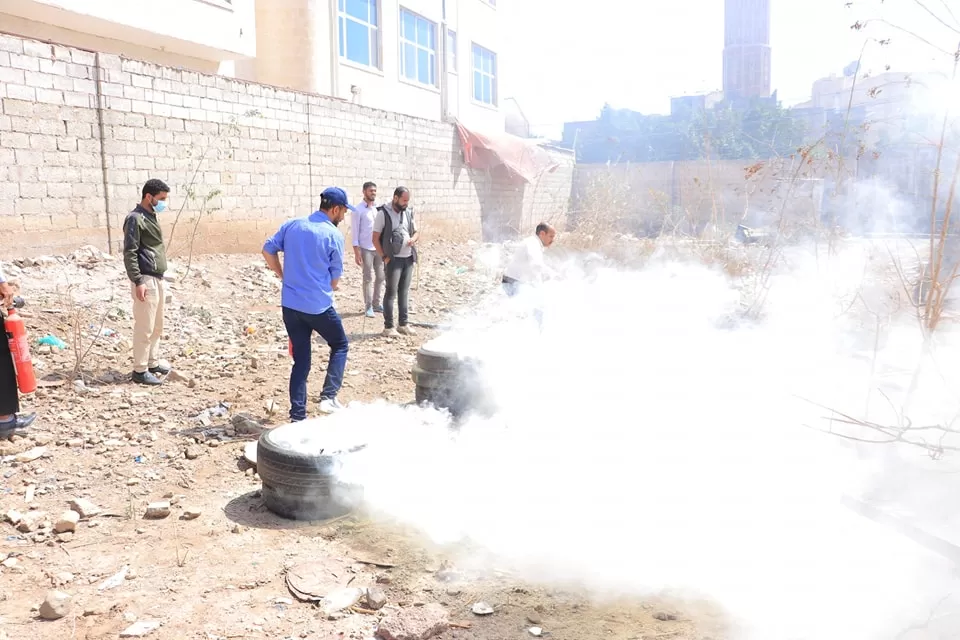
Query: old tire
point(301, 486)
point(437, 361)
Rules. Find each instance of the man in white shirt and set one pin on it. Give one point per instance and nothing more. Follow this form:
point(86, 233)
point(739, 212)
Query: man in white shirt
point(364, 253)
point(527, 267)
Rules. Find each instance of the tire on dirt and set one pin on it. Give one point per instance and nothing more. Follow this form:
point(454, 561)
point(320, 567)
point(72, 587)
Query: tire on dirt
point(301, 486)
point(448, 382)
point(437, 361)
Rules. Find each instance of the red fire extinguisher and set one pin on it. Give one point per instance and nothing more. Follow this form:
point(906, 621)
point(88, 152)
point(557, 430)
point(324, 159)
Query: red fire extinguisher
point(20, 349)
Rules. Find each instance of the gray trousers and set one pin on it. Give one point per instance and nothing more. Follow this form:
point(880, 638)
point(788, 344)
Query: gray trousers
point(372, 291)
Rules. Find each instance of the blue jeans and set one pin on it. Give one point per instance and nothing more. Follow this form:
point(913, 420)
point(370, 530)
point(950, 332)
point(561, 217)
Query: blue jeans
point(300, 327)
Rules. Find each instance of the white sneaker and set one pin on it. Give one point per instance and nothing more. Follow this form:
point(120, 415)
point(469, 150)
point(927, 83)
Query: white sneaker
point(406, 330)
point(369, 312)
point(390, 333)
point(330, 405)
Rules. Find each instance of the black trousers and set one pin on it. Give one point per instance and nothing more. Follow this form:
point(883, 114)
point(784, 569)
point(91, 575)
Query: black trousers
point(9, 395)
point(398, 273)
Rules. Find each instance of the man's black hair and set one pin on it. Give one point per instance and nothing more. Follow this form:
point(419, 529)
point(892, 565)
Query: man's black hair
point(153, 187)
point(367, 185)
point(543, 227)
point(399, 191)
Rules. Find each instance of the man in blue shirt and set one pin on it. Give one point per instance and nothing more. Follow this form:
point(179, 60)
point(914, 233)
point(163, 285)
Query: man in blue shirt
point(312, 250)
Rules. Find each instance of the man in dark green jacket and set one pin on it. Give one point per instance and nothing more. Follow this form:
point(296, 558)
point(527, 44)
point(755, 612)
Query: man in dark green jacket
point(145, 259)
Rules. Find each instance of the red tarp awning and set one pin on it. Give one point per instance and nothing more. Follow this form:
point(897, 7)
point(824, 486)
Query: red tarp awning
point(522, 158)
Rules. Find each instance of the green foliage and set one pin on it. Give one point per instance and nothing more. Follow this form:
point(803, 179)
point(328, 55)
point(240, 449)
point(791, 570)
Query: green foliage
point(757, 131)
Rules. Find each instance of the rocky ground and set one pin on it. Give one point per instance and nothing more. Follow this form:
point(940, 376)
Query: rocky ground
point(130, 512)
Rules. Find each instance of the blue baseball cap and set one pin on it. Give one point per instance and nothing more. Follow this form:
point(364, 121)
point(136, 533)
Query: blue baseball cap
point(336, 196)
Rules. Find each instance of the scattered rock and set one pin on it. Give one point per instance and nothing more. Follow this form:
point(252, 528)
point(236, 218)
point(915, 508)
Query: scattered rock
point(31, 455)
point(85, 508)
point(56, 605)
point(482, 609)
point(67, 523)
point(536, 632)
point(270, 406)
point(246, 425)
point(534, 619)
point(157, 510)
point(418, 623)
point(13, 517)
point(375, 598)
point(193, 452)
point(192, 513)
point(177, 376)
point(140, 629)
point(663, 616)
point(30, 521)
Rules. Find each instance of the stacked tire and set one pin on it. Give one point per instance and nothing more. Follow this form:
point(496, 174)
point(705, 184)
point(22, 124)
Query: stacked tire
point(447, 381)
point(302, 486)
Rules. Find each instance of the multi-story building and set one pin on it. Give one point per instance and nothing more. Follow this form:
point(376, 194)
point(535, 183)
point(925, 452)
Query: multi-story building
point(746, 50)
point(434, 59)
point(200, 35)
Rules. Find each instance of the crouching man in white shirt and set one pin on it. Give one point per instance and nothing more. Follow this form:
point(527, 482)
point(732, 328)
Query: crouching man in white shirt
point(527, 267)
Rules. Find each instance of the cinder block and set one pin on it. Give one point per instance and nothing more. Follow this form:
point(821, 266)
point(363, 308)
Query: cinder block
point(141, 81)
point(27, 206)
point(20, 92)
point(84, 86)
point(38, 80)
point(33, 190)
point(84, 57)
point(37, 49)
point(50, 96)
point(27, 63)
point(110, 62)
point(11, 75)
point(75, 99)
point(14, 140)
point(11, 44)
point(80, 71)
point(54, 67)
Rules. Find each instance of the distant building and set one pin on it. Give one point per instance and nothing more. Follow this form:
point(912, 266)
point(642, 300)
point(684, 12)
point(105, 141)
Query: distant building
point(683, 106)
point(746, 51)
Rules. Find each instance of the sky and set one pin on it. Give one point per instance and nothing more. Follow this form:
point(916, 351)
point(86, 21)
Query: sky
point(567, 58)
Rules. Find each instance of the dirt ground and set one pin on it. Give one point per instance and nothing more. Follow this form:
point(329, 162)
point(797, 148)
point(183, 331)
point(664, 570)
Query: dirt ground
point(222, 574)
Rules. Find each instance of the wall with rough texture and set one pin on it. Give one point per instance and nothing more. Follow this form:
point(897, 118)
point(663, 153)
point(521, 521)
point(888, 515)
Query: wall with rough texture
point(80, 133)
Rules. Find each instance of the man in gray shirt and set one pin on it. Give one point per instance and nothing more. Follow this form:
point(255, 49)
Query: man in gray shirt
point(395, 238)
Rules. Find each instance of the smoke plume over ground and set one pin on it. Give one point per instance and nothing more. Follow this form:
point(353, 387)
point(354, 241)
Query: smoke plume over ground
point(649, 440)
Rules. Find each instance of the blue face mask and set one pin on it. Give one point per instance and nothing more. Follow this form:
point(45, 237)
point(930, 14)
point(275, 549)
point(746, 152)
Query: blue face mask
point(160, 207)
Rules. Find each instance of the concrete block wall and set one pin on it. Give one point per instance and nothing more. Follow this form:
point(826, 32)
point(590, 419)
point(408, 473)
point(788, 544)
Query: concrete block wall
point(81, 132)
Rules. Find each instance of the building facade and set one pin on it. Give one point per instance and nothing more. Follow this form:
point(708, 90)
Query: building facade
point(200, 35)
point(746, 50)
point(433, 59)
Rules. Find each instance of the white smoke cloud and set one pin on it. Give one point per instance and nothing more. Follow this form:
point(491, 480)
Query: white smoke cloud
point(643, 445)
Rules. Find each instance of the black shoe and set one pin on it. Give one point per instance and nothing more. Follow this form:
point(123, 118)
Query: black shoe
point(18, 423)
point(159, 370)
point(146, 378)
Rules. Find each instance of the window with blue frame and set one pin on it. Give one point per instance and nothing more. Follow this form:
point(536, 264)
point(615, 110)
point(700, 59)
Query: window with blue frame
point(484, 75)
point(418, 48)
point(359, 28)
